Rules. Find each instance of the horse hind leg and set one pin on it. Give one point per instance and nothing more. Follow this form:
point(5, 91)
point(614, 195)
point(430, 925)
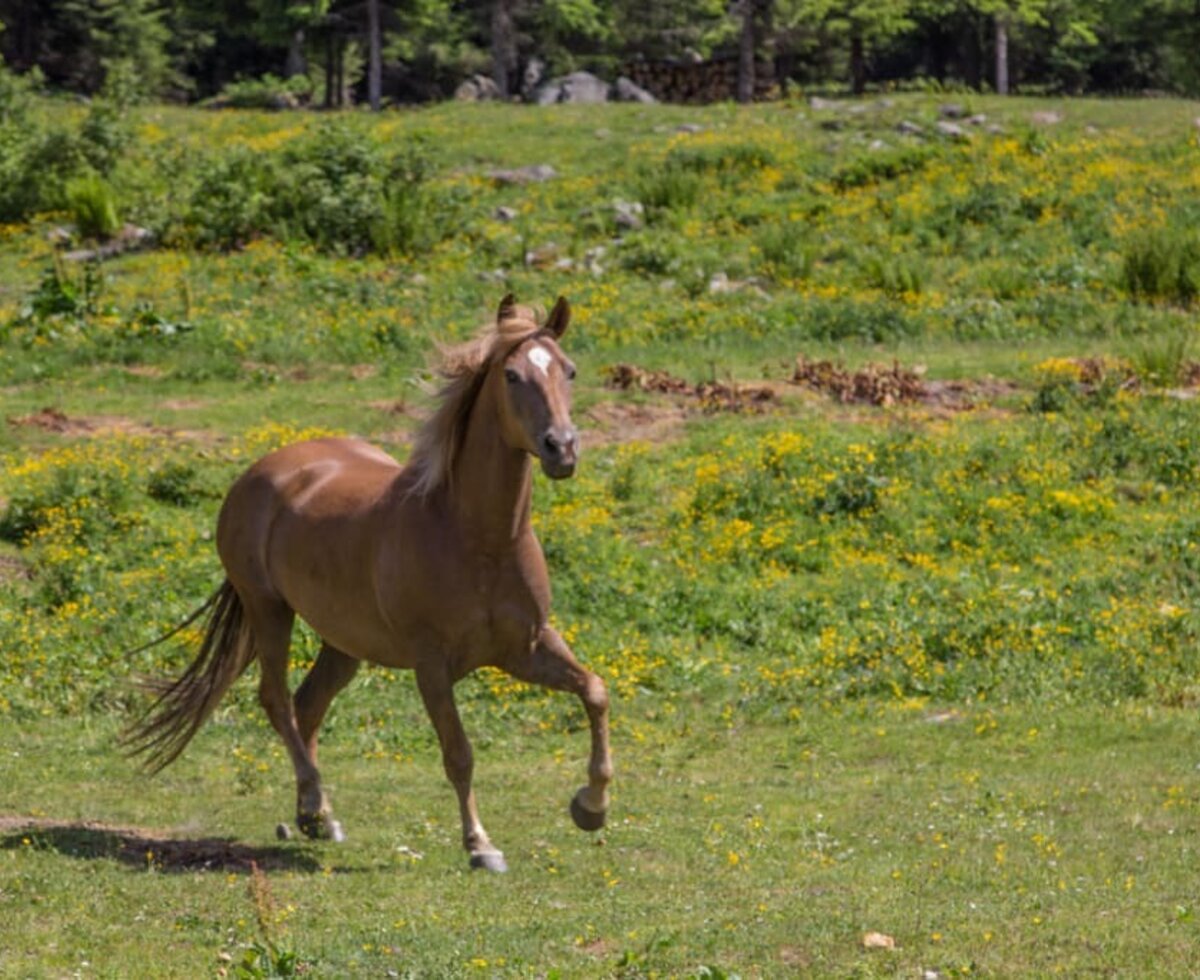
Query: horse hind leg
point(271, 625)
point(328, 676)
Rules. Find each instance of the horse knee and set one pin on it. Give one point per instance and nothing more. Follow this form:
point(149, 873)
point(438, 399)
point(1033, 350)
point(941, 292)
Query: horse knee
point(595, 694)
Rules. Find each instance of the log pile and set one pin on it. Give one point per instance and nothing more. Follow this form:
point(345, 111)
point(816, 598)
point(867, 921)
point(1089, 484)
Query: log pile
point(700, 82)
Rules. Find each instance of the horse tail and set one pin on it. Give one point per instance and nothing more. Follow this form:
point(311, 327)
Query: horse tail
point(182, 705)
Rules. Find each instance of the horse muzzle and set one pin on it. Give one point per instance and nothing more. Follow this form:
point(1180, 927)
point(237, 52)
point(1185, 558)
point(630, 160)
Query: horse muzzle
point(559, 452)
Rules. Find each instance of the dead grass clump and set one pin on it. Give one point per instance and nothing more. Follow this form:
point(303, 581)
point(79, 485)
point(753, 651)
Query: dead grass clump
point(713, 396)
point(875, 384)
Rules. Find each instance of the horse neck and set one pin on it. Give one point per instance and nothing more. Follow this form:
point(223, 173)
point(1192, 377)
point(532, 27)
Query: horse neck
point(491, 486)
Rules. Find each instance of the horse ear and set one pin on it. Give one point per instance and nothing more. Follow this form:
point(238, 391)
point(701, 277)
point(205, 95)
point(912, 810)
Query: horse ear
point(507, 306)
point(559, 317)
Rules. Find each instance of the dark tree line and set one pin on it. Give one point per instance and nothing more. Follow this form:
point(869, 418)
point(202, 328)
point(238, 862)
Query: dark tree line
point(421, 49)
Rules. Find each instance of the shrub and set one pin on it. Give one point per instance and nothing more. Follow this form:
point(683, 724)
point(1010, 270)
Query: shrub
point(1162, 265)
point(785, 250)
point(231, 202)
point(880, 165)
point(93, 206)
point(666, 189)
point(267, 92)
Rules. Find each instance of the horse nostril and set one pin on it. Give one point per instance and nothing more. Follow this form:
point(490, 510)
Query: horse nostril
point(551, 444)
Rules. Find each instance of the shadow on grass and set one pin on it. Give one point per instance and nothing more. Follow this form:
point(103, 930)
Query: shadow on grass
point(147, 850)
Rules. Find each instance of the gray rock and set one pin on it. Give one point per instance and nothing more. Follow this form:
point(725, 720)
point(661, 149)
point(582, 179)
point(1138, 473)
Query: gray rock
point(1046, 117)
point(976, 120)
point(953, 130)
point(592, 257)
point(129, 238)
point(504, 213)
point(629, 215)
point(691, 128)
point(822, 105)
point(59, 237)
point(477, 88)
point(626, 90)
point(531, 77)
point(910, 128)
point(537, 173)
point(543, 256)
point(951, 110)
point(577, 88)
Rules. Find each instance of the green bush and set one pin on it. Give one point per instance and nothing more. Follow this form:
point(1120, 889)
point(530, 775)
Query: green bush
point(231, 202)
point(1162, 265)
point(267, 92)
point(93, 206)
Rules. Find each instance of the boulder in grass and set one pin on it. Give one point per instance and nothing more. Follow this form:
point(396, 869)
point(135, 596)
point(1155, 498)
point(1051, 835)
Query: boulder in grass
point(626, 90)
point(477, 88)
point(577, 88)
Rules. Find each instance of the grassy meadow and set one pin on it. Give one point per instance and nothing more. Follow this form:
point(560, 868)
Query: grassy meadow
point(898, 689)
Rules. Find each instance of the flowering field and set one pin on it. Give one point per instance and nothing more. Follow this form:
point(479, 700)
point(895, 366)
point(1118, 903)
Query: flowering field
point(993, 593)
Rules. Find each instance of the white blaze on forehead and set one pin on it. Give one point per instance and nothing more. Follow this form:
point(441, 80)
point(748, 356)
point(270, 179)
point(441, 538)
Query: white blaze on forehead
point(540, 358)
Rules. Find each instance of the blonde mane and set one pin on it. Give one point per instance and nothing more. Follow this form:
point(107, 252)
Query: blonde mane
point(463, 368)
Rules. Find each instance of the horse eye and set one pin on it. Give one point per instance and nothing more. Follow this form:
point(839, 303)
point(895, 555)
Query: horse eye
point(511, 376)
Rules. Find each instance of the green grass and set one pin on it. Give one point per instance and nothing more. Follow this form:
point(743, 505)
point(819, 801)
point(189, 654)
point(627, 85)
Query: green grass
point(1000, 841)
point(922, 671)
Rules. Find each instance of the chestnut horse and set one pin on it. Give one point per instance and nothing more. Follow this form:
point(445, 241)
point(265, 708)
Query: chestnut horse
point(431, 566)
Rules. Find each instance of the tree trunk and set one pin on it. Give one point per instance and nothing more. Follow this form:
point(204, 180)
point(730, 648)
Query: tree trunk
point(768, 51)
point(1002, 53)
point(374, 58)
point(745, 71)
point(504, 46)
point(858, 64)
point(330, 66)
point(296, 63)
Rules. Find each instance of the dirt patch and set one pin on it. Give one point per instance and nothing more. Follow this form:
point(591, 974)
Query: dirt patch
point(712, 396)
point(140, 848)
point(145, 371)
point(11, 567)
point(184, 404)
point(964, 395)
point(618, 422)
point(392, 406)
point(58, 422)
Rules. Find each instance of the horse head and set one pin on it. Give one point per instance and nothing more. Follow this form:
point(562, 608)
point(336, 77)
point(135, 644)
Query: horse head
point(534, 380)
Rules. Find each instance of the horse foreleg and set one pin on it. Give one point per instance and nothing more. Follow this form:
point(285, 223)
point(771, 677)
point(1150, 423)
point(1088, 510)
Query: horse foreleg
point(552, 665)
point(437, 691)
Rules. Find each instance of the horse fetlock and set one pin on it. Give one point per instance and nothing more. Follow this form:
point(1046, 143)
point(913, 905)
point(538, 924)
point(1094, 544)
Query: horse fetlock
point(320, 826)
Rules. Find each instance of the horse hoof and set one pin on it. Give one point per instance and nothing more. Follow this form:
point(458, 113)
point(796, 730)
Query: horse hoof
point(320, 826)
point(283, 832)
point(489, 861)
point(584, 818)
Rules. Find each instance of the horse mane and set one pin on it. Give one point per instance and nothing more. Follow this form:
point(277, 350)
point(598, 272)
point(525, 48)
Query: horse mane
point(463, 368)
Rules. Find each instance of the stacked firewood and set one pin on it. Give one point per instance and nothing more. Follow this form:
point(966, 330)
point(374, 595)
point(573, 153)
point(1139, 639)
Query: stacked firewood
point(699, 82)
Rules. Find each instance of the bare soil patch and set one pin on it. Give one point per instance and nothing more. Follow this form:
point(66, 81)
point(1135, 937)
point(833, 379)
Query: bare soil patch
point(619, 422)
point(141, 848)
point(11, 567)
point(55, 420)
